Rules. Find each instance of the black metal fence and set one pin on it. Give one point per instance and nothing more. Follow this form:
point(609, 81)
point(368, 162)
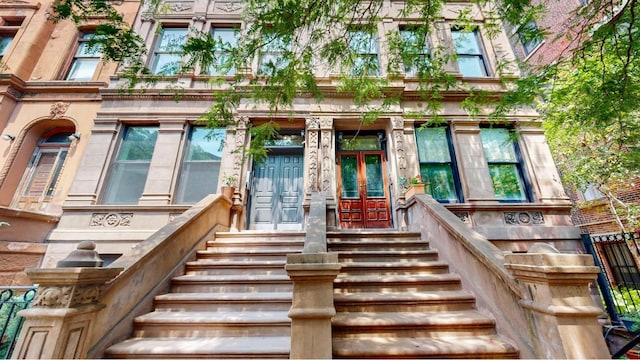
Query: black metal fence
point(618, 256)
point(12, 300)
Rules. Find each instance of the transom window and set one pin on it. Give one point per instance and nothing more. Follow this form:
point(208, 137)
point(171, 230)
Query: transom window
point(469, 52)
point(201, 165)
point(131, 166)
point(437, 169)
point(364, 45)
point(85, 61)
point(505, 167)
point(168, 52)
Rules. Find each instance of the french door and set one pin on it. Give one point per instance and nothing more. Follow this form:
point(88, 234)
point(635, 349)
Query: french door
point(363, 200)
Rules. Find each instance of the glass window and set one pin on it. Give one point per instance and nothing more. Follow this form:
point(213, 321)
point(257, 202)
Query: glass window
point(226, 39)
point(469, 53)
point(5, 42)
point(365, 46)
point(416, 52)
point(168, 52)
point(505, 167)
point(271, 55)
point(85, 60)
point(528, 38)
point(201, 165)
point(129, 170)
point(436, 164)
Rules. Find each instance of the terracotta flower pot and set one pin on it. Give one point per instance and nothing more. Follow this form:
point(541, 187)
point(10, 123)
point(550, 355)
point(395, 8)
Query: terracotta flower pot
point(228, 191)
point(414, 189)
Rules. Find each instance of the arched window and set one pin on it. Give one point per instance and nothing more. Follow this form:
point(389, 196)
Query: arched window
point(41, 176)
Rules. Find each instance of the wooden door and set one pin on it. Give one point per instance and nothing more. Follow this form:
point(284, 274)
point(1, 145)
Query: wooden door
point(363, 200)
point(277, 192)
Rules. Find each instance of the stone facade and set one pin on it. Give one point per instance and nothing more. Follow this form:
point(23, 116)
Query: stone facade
point(103, 116)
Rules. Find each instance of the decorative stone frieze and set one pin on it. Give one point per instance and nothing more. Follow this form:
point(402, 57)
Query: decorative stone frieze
point(524, 218)
point(229, 7)
point(58, 109)
point(111, 219)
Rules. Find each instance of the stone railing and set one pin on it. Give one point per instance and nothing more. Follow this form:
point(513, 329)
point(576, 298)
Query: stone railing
point(79, 311)
point(540, 300)
point(312, 273)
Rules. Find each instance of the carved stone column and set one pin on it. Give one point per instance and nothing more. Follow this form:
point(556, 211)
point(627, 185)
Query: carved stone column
point(237, 208)
point(401, 171)
point(328, 167)
point(313, 136)
point(58, 324)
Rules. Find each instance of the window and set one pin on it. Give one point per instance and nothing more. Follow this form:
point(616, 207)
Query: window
point(469, 53)
point(416, 52)
point(226, 38)
point(437, 167)
point(201, 165)
point(85, 60)
point(505, 166)
point(41, 176)
point(620, 262)
point(9, 26)
point(166, 57)
point(271, 56)
point(528, 37)
point(129, 170)
point(365, 46)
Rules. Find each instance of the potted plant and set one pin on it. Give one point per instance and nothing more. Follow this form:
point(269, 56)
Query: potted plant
point(228, 185)
point(413, 186)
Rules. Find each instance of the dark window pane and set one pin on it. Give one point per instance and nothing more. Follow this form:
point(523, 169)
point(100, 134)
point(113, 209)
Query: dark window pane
point(375, 184)
point(439, 181)
point(349, 172)
point(507, 183)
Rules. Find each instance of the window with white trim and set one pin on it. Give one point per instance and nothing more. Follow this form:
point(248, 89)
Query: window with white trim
point(201, 165)
point(168, 50)
point(131, 165)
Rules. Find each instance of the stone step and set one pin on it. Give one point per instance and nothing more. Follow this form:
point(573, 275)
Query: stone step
point(227, 347)
point(407, 324)
point(338, 245)
point(248, 255)
point(396, 283)
point(414, 347)
point(205, 324)
point(225, 267)
point(372, 235)
point(393, 268)
point(385, 255)
point(404, 302)
point(231, 283)
point(264, 301)
point(287, 244)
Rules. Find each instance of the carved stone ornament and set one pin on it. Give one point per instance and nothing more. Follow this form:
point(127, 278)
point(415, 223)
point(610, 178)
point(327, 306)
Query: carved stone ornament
point(312, 123)
point(398, 122)
point(327, 176)
point(463, 216)
point(312, 147)
point(400, 152)
point(111, 219)
point(66, 296)
point(230, 7)
point(147, 16)
point(58, 109)
point(180, 7)
point(524, 218)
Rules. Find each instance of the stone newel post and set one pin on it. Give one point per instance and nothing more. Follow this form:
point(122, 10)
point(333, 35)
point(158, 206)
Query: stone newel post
point(563, 316)
point(59, 322)
point(312, 307)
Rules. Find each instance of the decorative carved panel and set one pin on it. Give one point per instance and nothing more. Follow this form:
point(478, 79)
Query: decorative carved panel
point(111, 219)
point(524, 218)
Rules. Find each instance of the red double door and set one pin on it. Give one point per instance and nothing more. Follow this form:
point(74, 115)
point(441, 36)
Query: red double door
point(363, 194)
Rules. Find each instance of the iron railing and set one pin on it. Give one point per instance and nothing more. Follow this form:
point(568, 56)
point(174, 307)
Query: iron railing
point(12, 300)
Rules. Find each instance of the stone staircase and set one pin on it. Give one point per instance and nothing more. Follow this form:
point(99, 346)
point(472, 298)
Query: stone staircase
point(394, 299)
point(232, 302)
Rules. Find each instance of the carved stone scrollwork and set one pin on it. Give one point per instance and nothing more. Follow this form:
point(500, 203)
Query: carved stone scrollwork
point(111, 219)
point(58, 109)
point(463, 216)
point(313, 125)
point(400, 152)
point(524, 218)
point(66, 296)
point(326, 160)
point(230, 7)
point(240, 138)
point(398, 123)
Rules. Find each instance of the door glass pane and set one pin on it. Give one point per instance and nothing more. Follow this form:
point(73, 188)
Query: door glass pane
point(41, 174)
point(349, 171)
point(375, 185)
point(54, 178)
point(507, 183)
point(439, 181)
